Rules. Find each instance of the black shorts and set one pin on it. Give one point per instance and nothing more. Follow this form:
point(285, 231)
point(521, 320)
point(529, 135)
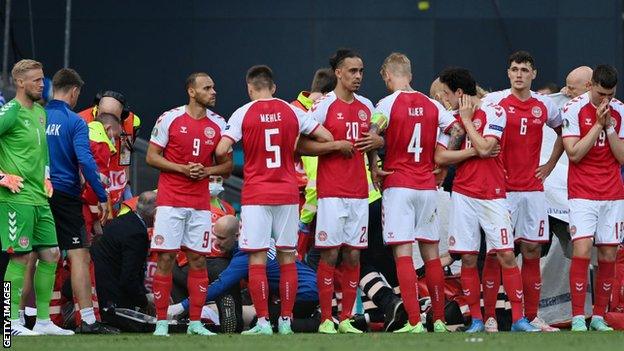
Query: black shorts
point(71, 231)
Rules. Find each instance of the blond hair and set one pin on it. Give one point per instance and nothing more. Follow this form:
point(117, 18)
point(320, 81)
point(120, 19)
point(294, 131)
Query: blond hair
point(397, 64)
point(24, 66)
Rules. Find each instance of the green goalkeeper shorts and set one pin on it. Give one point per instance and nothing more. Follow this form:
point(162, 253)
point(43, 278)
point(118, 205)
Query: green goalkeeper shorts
point(24, 227)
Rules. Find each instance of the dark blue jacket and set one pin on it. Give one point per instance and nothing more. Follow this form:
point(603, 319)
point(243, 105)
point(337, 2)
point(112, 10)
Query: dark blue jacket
point(68, 142)
point(238, 269)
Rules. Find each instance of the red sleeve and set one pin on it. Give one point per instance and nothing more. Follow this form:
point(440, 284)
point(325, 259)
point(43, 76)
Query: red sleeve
point(101, 153)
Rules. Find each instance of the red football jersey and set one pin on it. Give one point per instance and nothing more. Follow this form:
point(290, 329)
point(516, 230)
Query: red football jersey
point(185, 140)
point(481, 178)
point(597, 176)
point(339, 176)
point(522, 140)
point(269, 129)
point(413, 123)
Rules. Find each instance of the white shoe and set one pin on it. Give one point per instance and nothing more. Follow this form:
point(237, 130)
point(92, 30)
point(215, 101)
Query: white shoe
point(491, 325)
point(20, 330)
point(543, 326)
point(50, 328)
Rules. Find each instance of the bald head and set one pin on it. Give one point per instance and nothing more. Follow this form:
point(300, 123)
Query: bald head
point(227, 226)
point(436, 92)
point(226, 232)
point(110, 105)
point(578, 81)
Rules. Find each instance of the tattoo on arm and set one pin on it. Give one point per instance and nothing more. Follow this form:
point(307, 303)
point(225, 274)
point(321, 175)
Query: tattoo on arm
point(458, 134)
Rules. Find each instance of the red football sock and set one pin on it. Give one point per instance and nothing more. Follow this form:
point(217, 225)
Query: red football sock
point(512, 281)
point(288, 288)
point(162, 291)
point(434, 275)
point(197, 285)
point(350, 282)
point(491, 284)
point(603, 288)
point(532, 285)
point(407, 282)
point(471, 290)
point(578, 284)
point(325, 282)
point(259, 289)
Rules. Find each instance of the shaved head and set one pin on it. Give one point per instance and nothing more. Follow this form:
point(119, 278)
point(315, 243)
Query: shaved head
point(578, 81)
point(436, 92)
point(226, 232)
point(110, 105)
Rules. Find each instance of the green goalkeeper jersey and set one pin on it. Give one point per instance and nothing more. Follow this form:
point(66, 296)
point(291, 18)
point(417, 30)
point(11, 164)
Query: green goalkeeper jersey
point(24, 151)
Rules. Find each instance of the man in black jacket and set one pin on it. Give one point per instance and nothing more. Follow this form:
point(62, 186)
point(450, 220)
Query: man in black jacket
point(119, 256)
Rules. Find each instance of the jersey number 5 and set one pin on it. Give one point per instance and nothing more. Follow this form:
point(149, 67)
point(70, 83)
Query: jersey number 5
point(276, 160)
point(414, 144)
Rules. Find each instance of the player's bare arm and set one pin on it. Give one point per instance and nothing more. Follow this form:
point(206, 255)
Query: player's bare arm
point(458, 134)
point(577, 148)
point(377, 174)
point(199, 171)
point(543, 171)
point(223, 157)
point(155, 159)
point(444, 157)
point(370, 141)
point(309, 147)
point(484, 146)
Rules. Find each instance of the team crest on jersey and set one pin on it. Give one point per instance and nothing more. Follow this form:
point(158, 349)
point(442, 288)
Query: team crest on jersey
point(339, 115)
point(536, 112)
point(209, 132)
point(159, 240)
point(588, 121)
point(477, 123)
point(512, 109)
point(362, 115)
point(322, 236)
point(183, 130)
point(23, 242)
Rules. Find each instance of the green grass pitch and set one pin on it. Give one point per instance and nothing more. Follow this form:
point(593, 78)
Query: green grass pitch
point(564, 341)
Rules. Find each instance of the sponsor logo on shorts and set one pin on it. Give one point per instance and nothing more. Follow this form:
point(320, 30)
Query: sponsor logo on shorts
point(23, 242)
point(322, 236)
point(451, 240)
point(573, 230)
point(566, 123)
point(159, 240)
point(536, 112)
point(362, 115)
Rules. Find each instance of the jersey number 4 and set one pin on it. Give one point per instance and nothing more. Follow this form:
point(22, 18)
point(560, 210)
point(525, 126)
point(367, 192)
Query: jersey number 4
point(276, 160)
point(414, 144)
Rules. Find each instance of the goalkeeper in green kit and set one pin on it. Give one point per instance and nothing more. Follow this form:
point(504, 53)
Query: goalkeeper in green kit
point(26, 222)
